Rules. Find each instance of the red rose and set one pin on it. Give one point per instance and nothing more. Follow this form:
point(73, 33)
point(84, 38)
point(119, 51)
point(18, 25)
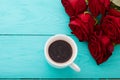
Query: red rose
point(82, 26)
point(74, 7)
point(98, 6)
point(111, 27)
point(114, 12)
point(100, 47)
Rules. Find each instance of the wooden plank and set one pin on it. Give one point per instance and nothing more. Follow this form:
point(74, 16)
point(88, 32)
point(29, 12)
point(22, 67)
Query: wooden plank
point(23, 56)
point(33, 17)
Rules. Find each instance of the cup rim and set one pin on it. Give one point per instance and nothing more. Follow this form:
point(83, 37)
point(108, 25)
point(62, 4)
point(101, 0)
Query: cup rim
point(65, 38)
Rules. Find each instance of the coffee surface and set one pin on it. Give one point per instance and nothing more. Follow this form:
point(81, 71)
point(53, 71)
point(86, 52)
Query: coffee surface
point(60, 51)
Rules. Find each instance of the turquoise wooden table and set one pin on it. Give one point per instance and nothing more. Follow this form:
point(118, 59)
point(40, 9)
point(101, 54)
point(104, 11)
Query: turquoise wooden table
point(25, 26)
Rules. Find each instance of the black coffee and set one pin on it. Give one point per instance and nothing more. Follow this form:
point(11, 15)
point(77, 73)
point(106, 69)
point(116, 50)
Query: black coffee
point(60, 51)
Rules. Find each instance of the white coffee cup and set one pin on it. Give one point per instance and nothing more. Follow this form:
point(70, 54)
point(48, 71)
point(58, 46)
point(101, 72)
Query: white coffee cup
point(70, 62)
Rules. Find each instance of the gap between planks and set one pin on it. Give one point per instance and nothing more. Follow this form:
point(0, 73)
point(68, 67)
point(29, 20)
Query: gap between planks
point(32, 34)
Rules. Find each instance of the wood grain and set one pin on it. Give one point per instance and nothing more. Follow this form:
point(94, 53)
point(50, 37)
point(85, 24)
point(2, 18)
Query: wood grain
point(33, 17)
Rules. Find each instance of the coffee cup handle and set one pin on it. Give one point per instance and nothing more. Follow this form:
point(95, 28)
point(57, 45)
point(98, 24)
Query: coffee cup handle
point(75, 67)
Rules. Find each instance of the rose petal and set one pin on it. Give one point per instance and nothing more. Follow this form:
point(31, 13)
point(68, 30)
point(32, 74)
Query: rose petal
point(68, 7)
point(97, 7)
point(82, 26)
point(100, 47)
point(114, 12)
point(111, 27)
point(74, 7)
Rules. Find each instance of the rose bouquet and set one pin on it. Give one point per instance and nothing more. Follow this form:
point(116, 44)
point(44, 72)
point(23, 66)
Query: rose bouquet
point(101, 34)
